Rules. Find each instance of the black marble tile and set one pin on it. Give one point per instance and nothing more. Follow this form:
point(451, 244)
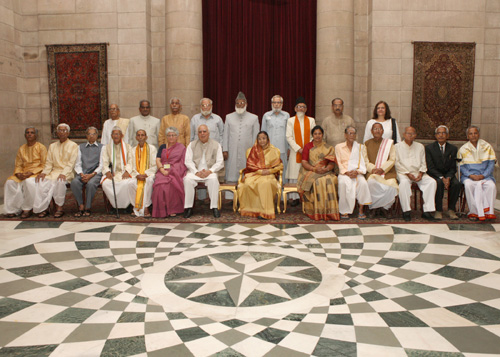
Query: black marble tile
point(228, 352)
point(373, 296)
point(422, 353)
point(127, 346)
point(351, 245)
point(34, 270)
point(191, 334)
point(38, 224)
point(463, 274)
point(337, 301)
point(116, 272)
point(397, 263)
point(401, 319)
point(372, 274)
point(295, 317)
point(471, 227)
point(72, 315)
point(234, 323)
point(415, 288)
point(408, 247)
point(156, 231)
point(105, 229)
point(176, 316)
point(9, 306)
point(346, 232)
point(87, 245)
point(476, 253)
point(72, 284)
point(28, 351)
point(478, 313)
point(27, 250)
point(132, 281)
point(108, 293)
point(129, 316)
point(327, 347)
point(398, 230)
point(272, 335)
point(339, 319)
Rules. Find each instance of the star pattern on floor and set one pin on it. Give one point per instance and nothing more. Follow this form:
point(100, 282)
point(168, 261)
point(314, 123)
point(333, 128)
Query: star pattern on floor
point(407, 290)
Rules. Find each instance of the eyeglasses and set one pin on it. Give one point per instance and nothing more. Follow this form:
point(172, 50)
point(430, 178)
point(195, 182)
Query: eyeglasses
point(206, 105)
point(276, 102)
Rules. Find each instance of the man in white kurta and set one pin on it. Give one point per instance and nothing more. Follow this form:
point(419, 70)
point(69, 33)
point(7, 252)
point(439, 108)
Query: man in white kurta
point(380, 159)
point(274, 123)
point(298, 134)
point(203, 160)
point(411, 167)
point(240, 132)
point(211, 120)
point(335, 124)
point(144, 168)
point(58, 171)
point(115, 120)
point(118, 155)
point(477, 175)
point(19, 189)
point(352, 168)
point(146, 122)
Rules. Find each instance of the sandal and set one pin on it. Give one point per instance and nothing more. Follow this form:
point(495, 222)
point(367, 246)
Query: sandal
point(344, 216)
point(58, 214)
point(79, 214)
point(87, 213)
point(10, 215)
point(26, 214)
point(362, 216)
point(43, 214)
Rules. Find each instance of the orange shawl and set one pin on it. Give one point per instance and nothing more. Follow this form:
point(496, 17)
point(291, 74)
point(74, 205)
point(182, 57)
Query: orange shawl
point(298, 135)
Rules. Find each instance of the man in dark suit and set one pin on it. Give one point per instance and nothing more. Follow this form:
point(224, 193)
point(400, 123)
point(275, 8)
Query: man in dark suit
point(442, 167)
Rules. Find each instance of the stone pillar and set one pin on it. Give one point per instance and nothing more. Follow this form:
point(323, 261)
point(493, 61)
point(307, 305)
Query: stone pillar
point(184, 53)
point(335, 55)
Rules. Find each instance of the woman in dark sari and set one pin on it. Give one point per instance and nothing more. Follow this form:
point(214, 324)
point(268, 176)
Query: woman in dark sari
point(168, 189)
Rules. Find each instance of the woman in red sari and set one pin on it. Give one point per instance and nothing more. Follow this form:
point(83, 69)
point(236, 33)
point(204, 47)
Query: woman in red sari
point(258, 186)
point(168, 189)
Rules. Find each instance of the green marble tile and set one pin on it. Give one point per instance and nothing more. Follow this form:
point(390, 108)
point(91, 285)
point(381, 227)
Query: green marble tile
point(459, 273)
point(156, 231)
point(413, 302)
point(351, 245)
point(28, 250)
point(218, 298)
point(234, 323)
point(127, 346)
point(422, 353)
point(183, 289)
point(373, 296)
point(38, 224)
point(72, 284)
point(349, 257)
point(439, 240)
point(471, 339)
point(376, 336)
point(347, 232)
point(486, 227)
point(401, 319)
point(289, 261)
point(132, 281)
point(260, 298)
point(9, 306)
point(397, 263)
point(339, 319)
point(116, 272)
point(295, 317)
point(414, 287)
point(228, 352)
point(28, 351)
point(178, 272)
point(87, 245)
point(72, 315)
point(106, 229)
point(232, 256)
point(127, 316)
point(476, 253)
point(108, 293)
point(191, 334)
point(296, 290)
point(176, 316)
point(478, 313)
point(408, 247)
point(337, 301)
point(272, 335)
point(62, 239)
point(398, 230)
point(352, 283)
point(327, 347)
point(311, 274)
point(34, 270)
point(146, 244)
point(372, 274)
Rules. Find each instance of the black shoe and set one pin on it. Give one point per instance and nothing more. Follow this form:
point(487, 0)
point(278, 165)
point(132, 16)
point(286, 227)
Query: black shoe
point(188, 212)
point(386, 213)
point(295, 203)
point(407, 216)
point(216, 213)
point(428, 216)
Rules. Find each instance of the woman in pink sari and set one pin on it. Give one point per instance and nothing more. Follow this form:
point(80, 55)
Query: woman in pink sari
point(168, 189)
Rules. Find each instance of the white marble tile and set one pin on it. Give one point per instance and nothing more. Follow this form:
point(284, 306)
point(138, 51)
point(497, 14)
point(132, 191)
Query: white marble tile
point(440, 317)
point(157, 341)
point(104, 317)
point(339, 332)
point(368, 319)
point(300, 342)
point(87, 348)
point(253, 346)
point(127, 329)
point(205, 346)
point(422, 338)
point(182, 324)
point(39, 294)
point(444, 298)
point(35, 313)
point(215, 328)
point(370, 350)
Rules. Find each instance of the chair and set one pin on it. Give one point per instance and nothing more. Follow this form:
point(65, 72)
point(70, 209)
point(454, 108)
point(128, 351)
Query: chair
point(289, 188)
point(230, 187)
point(278, 194)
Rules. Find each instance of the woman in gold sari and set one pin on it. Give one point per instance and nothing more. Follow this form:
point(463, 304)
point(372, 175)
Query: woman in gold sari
point(316, 181)
point(258, 185)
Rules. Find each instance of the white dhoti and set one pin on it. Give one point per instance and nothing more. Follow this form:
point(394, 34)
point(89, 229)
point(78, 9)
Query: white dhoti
point(47, 190)
point(212, 183)
point(121, 188)
point(349, 190)
point(428, 187)
point(480, 196)
point(382, 195)
point(148, 191)
point(19, 196)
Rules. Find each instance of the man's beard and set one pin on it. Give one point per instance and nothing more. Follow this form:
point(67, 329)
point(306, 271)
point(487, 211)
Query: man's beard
point(301, 115)
point(240, 110)
point(276, 110)
point(206, 113)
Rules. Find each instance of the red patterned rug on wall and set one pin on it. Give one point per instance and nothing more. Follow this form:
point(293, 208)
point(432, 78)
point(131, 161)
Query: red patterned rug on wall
point(78, 86)
point(443, 81)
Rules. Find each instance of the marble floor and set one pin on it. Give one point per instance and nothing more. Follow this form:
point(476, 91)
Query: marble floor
point(80, 289)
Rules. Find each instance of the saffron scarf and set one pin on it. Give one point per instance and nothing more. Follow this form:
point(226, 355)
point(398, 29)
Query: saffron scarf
point(298, 135)
point(142, 163)
point(257, 161)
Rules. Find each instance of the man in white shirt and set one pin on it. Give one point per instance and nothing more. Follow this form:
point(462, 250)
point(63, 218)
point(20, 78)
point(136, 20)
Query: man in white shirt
point(146, 122)
point(114, 120)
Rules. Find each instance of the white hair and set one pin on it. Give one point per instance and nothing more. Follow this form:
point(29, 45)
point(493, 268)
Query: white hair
point(65, 125)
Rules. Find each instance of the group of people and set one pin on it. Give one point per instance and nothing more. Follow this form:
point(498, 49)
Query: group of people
point(145, 161)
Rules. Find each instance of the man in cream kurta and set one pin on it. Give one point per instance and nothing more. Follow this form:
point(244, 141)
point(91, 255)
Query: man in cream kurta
point(352, 168)
point(146, 122)
point(141, 199)
point(411, 167)
point(177, 120)
point(203, 160)
point(19, 189)
point(58, 171)
point(298, 134)
point(240, 132)
point(380, 159)
point(117, 154)
point(335, 124)
point(115, 120)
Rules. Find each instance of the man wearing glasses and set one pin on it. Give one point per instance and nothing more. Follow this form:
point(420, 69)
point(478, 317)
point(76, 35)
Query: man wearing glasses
point(115, 120)
point(146, 122)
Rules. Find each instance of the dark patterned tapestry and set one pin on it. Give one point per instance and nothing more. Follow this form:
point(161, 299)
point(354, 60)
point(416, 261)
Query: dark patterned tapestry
point(443, 80)
point(78, 86)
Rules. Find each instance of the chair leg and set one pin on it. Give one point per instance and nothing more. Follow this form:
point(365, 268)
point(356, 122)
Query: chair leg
point(284, 201)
